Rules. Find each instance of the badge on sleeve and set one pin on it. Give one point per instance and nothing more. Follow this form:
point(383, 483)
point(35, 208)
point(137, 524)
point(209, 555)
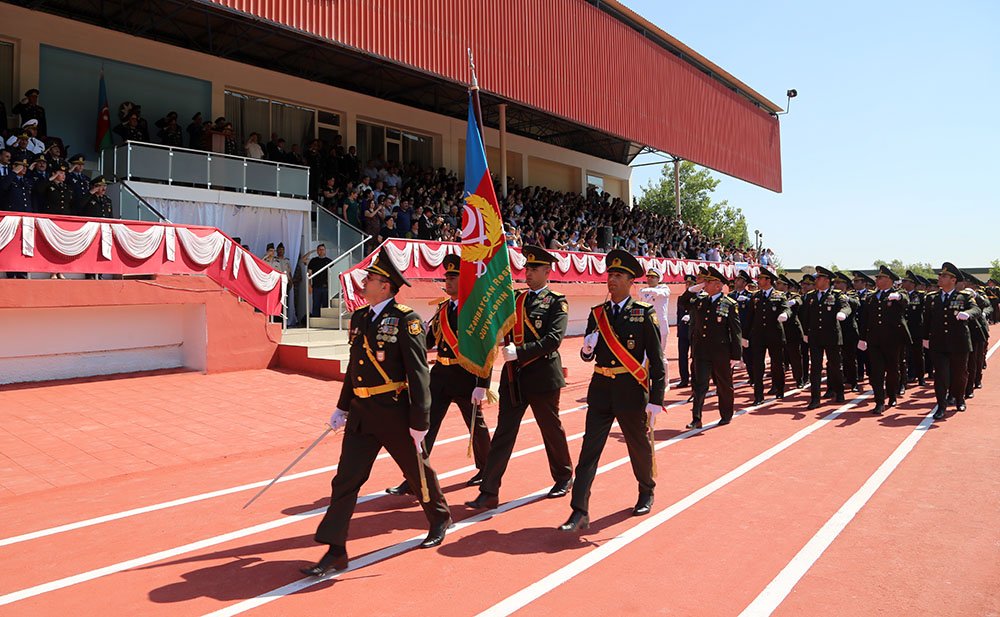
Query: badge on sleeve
point(380, 355)
point(415, 327)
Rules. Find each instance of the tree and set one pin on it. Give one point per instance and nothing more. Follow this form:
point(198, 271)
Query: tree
point(995, 269)
point(896, 265)
point(715, 220)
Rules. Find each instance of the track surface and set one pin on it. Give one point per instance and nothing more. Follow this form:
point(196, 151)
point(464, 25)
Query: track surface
point(124, 496)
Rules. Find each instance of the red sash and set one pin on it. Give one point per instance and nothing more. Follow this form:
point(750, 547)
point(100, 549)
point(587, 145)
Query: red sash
point(519, 320)
point(627, 359)
point(446, 332)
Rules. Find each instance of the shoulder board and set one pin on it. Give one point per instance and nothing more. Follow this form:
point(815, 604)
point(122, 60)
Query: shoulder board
point(968, 292)
point(645, 305)
point(556, 294)
point(402, 308)
point(363, 307)
point(727, 300)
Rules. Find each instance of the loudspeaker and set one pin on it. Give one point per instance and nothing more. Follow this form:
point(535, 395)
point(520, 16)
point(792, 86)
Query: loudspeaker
point(604, 238)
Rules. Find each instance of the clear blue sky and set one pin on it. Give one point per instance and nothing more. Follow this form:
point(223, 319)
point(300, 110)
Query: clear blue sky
point(890, 147)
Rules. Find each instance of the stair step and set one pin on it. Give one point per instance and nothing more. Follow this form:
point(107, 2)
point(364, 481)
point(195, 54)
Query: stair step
point(328, 323)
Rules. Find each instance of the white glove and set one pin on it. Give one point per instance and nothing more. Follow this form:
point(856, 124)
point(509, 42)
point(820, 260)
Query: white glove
point(963, 316)
point(927, 344)
point(863, 345)
point(338, 419)
point(792, 302)
point(745, 343)
point(652, 410)
point(589, 342)
point(782, 317)
point(894, 296)
point(697, 288)
point(805, 339)
point(478, 396)
point(841, 316)
point(685, 318)
point(418, 437)
point(509, 353)
point(734, 364)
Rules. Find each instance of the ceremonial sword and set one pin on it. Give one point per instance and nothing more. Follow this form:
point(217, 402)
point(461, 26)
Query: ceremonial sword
point(292, 464)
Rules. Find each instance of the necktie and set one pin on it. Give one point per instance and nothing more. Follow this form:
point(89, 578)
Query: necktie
point(615, 309)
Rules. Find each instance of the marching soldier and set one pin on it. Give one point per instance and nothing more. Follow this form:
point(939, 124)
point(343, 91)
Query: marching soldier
point(915, 322)
point(928, 288)
point(767, 314)
point(993, 292)
point(450, 383)
point(384, 404)
point(850, 329)
point(658, 296)
point(715, 344)
point(620, 334)
point(885, 336)
point(97, 203)
point(56, 197)
point(684, 330)
point(980, 330)
point(793, 329)
point(532, 376)
point(807, 284)
point(823, 311)
point(946, 334)
point(741, 295)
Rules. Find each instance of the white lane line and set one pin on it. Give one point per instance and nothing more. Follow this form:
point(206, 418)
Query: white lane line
point(779, 588)
point(401, 547)
point(144, 560)
point(536, 590)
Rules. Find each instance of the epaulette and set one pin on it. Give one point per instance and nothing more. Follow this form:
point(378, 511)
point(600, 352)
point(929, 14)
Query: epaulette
point(363, 306)
point(725, 299)
point(557, 294)
point(645, 305)
point(968, 292)
point(403, 308)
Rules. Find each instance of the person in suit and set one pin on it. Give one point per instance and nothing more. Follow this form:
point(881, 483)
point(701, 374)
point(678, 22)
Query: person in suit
point(823, 310)
point(385, 403)
point(621, 334)
point(715, 345)
point(885, 336)
point(947, 313)
point(451, 382)
point(767, 313)
point(532, 377)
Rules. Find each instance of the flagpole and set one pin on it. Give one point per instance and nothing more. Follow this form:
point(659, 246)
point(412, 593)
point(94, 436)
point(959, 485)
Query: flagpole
point(474, 91)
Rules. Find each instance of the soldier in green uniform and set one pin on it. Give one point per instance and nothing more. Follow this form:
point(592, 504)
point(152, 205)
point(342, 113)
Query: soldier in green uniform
point(850, 332)
point(741, 294)
point(793, 330)
point(684, 330)
point(715, 344)
point(623, 339)
point(806, 284)
point(97, 203)
point(384, 404)
point(946, 334)
point(532, 376)
point(55, 195)
point(885, 336)
point(450, 383)
point(993, 293)
point(980, 330)
point(767, 315)
point(912, 368)
point(823, 310)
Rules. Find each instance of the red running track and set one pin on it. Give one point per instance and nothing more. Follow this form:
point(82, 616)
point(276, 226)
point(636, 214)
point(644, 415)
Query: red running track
point(903, 510)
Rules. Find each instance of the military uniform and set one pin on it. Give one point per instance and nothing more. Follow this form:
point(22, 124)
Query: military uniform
point(793, 334)
point(79, 184)
point(16, 190)
point(535, 379)
point(886, 336)
point(850, 330)
point(949, 340)
point(767, 315)
point(742, 298)
point(810, 280)
point(822, 329)
point(684, 333)
point(622, 386)
point(386, 394)
point(56, 197)
point(979, 329)
point(97, 206)
point(914, 353)
point(715, 342)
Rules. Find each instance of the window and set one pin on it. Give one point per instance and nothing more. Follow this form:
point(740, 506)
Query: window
point(294, 123)
point(7, 76)
point(595, 181)
point(388, 144)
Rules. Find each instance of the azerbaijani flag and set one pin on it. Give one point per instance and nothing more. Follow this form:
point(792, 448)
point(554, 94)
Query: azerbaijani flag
point(103, 139)
point(485, 286)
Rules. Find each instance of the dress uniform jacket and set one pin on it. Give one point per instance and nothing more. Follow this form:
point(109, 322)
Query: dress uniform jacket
point(684, 335)
point(56, 197)
point(96, 206)
point(887, 335)
point(80, 185)
point(766, 333)
point(539, 365)
point(793, 338)
point(715, 340)
point(820, 325)
point(950, 341)
point(16, 193)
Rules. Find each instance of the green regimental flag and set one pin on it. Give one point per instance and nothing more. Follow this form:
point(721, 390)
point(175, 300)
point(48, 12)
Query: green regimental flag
point(485, 286)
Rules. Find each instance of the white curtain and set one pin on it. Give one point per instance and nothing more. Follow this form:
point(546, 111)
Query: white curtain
point(68, 243)
point(255, 227)
point(8, 227)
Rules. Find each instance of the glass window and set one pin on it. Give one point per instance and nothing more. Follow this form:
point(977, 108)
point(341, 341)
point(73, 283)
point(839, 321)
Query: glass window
point(595, 181)
point(418, 149)
point(7, 76)
point(329, 117)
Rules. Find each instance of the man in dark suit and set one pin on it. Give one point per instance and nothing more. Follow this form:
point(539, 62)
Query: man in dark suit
point(946, 334)
point(885, 336)
point(532, 376)
point(823, 310)
point(450, 382)
point(384, 404)
point(767, 314)
point(715, 344)
point(621, 334)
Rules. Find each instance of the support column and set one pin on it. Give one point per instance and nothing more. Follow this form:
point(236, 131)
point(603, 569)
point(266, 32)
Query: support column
point(677, 185)
point(503, 149)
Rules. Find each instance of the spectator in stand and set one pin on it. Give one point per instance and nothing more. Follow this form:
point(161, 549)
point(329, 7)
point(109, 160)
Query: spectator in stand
point(253, 148)
point(349, 164)
point(196, 139)
point(56, 197)
point(388, 229)
point(79, 184)
point(29, 109)
point(428, 226)
point(317, 164)
point(273, 151)
point(5, 159)
point(169, 132)
point(319, 286)
point(232, 146)
point(404, 215)
point(371, 221)
point(16, 186)
point(129, 129)
point(295, 157)
point(350, 210)
point(370, 171)
point(32, 145)
point(330, 195)
point(414, 233)
point(97, 204)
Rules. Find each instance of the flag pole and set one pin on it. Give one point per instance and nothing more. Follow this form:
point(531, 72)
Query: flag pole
point(474, 91)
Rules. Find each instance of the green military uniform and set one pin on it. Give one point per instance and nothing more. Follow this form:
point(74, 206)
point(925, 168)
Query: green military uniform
point(947, 335)
point(535, 379)
point(793, 333)
point(684, 332)
point(55, 197)
point(886, 336)
point(615, 392)
point(94, 205)
point(386, 394)
point(715, 342)
point(821, 328)
point(767, 315)
point(980, 331)
point(850, 330)
point(914, 354)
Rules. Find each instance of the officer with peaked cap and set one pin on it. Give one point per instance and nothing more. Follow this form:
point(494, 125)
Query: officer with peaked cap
point(885, 336)
point(532, 376)
point(767, 315)
point(741, 294)
point(97, 204)
point(823, 310)
point(621, 333)
point(947, 313)
point(806, 284)
point(715, 345)
point(56, 196)
point(684, 330)
point(914, 353)
point(980, 330)
point(450, 381)
point(385, 403)
point(658, 295)
point(793, 328)
point(17, 187)
point(77, 181)
point(850, 330)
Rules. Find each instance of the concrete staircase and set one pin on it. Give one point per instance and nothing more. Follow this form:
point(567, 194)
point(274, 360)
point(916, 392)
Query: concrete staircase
point(318, 351)
point(330, 318)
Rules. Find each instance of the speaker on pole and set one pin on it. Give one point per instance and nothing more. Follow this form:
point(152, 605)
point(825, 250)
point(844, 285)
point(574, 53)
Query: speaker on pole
point(604, 238)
